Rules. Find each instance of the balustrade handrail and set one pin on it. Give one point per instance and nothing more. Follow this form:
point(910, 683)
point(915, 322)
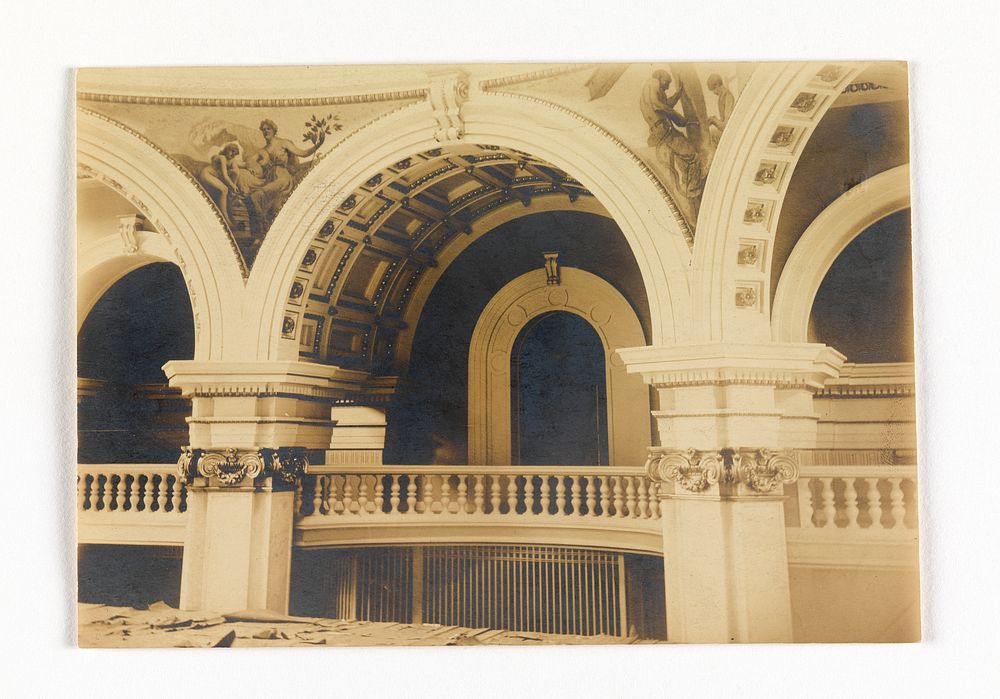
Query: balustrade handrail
point(128, 469)
point(473, 470)
point(859, 471)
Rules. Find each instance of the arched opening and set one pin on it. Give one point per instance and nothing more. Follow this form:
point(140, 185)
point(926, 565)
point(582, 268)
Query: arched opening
point(559, 393)
point(126, 412)
point(429, 422)
point(864, 306)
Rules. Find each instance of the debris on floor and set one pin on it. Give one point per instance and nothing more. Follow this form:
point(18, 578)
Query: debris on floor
point(161, 626)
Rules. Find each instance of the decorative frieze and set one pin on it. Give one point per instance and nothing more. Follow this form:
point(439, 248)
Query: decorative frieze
point(759, 471)
point(232, 467)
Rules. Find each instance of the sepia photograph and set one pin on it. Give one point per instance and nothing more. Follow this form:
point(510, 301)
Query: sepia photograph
point(495, 354)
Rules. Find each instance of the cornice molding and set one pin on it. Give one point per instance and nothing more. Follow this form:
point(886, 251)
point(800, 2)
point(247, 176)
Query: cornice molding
point(337, 100)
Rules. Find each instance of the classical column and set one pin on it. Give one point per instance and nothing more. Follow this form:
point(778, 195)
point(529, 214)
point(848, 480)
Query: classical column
point(730, 418)
point(252, 430)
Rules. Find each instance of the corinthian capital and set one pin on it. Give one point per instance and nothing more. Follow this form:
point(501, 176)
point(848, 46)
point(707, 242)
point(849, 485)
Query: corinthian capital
point(232, 467)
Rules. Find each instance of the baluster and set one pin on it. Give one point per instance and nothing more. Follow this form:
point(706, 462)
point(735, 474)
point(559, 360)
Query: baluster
point(161, 494)
point(97, 491)
point(445, 494)
point(463, 495)
point(477, 493)
point(317, 494)
point(428, 495)
point(411, 494)
point(348, 495)
point(874, 503)
point(296, 503)
point(114, 491)
point(495, 495)
point(827, 504)
point(379, 494)
point(574, 494)
point(643, 498)
point(605, 497)
point(529, 494)
point(394, 487)
point(81, 491)
point(127, 485)
point(512, 495)
point(851, 503)
point(896, 503)
point(561, 495)
point(654, 500)
point(619, 493)
point(170, 485)
point(630, 497)
point(363, 490)
point(335, 503)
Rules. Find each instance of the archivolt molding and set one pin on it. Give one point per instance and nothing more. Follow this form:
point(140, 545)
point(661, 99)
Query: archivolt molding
point(823, 241)
point(177, 209)
point(506, 315)
point(490, 120)
point(773, 120)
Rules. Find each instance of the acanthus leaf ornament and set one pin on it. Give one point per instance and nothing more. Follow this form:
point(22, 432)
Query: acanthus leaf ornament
point(763, 470)
point(692, 470)
point(231, 466)
point(289, 463)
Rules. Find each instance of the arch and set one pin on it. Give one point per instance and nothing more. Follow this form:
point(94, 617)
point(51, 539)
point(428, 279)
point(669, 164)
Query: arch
point(192, 234)
point(607, 171)
point(480, 227)
point(823, 241)
point(789, 97)
point(503, 319)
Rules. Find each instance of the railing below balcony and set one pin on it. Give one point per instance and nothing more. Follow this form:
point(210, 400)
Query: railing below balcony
point(609, 507)
point(130, 504)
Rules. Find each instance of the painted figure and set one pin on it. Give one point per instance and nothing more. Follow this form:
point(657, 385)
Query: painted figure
point(674, 148)
point(217, 178)
point(278, 161)
point(726, 104)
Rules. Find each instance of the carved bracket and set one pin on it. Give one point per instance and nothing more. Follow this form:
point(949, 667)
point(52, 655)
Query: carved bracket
point(448, 91)
point(231, 467)
point(127, 228)
point(760, 470)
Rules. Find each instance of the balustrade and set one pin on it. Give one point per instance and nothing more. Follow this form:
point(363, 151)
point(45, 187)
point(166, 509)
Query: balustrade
point(121, 488)
point(865, 499)
point(426, 491)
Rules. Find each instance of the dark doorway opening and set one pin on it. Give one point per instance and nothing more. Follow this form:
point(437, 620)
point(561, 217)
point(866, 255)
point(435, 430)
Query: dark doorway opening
point(559, 393)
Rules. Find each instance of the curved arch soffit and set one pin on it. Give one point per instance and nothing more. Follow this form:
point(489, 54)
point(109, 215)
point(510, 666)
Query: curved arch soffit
point(199, 244)
point(597, 162)
point(104, 263)
point(502, 321)
point(771, 124)
point(823, 241)
point(480, 227)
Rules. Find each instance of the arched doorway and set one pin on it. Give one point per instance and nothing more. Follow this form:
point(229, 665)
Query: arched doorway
point(559, 393)
point(126, 412)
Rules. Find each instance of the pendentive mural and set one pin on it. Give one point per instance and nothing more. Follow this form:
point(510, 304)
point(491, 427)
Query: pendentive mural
point(248, 160)
point(671, 115)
